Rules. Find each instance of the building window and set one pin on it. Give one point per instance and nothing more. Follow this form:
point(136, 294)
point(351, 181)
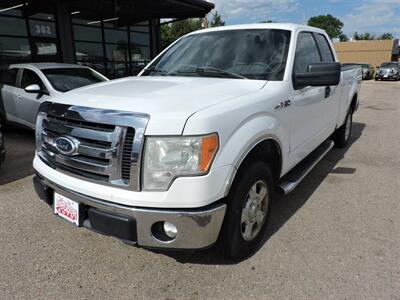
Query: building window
point(114, 48)
point(27, 33)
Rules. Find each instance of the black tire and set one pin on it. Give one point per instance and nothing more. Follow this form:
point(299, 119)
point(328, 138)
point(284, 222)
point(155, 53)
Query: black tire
point(341, 137)
point(234, 244)
point(376, 79)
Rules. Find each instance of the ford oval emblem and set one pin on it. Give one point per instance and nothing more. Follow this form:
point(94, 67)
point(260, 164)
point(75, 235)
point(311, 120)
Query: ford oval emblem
point(66, 145)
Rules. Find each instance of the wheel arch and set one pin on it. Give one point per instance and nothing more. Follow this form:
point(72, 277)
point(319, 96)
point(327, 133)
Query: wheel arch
point(354, 102)
point(267, 149)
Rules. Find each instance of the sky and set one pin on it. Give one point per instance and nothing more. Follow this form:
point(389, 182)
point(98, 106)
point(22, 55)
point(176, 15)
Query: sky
point(376, 17)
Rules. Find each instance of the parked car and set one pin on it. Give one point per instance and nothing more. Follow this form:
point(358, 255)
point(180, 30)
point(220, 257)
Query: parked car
point(23, 87)
point(190, 151)
point(388, 70)
point(367, 70)
point(2, 149)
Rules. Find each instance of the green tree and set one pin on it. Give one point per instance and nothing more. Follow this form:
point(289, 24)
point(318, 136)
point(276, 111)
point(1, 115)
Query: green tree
point(363, 36)
point(386, 36)
point(216, 20)
point(343, 38)
point(172, 31)
point(333, 26)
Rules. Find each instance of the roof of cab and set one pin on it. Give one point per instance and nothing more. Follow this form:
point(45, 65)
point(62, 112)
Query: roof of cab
point(283, 26)
point(43, 66)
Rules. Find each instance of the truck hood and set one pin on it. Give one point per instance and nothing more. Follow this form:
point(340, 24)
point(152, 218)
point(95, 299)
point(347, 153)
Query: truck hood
point(169, 101)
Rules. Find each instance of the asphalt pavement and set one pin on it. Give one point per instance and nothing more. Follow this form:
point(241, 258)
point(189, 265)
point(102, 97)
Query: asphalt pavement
point(337, 236)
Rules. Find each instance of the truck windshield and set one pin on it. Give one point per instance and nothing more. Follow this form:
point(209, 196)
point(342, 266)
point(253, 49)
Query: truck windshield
point(66, 79)
point(248, 53)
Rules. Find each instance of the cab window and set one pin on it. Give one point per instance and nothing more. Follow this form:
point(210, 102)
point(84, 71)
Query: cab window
point(326, 50)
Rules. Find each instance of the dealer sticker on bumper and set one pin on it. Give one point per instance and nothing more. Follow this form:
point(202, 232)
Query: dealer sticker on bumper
point(66, 208)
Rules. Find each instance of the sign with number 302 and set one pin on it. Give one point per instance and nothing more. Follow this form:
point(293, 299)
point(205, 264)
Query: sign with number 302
point(43, 30)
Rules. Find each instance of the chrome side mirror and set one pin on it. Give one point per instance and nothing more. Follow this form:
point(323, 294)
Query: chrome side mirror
point(35, 89)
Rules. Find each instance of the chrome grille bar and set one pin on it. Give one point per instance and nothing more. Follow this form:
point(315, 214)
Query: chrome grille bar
point(108, 143)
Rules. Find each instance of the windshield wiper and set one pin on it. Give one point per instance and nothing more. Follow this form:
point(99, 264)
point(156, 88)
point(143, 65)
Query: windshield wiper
point(157, 70)
point(212, 71)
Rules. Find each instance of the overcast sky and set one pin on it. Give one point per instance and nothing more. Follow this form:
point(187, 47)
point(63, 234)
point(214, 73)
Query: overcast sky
point(357, 15)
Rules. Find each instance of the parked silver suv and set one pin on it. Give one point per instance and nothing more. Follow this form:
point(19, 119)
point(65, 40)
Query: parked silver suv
point(388, 70)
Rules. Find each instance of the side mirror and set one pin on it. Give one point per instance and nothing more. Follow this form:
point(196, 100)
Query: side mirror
point(321, 74)
point(35, 89)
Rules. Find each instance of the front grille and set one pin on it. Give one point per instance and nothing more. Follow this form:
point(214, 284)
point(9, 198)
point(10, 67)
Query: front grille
point(104, 151)
point(127, 154)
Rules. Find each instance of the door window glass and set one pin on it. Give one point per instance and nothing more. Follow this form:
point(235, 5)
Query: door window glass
point(14, 49)
point(30, 77)
point(87, 33)
point(306, 52)
point(8, 76)
point(45, 51)
point(13, 26)
point(325, 49)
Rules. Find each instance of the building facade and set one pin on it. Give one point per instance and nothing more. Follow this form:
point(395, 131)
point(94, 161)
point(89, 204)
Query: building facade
point(115, 37)
point(373, 52)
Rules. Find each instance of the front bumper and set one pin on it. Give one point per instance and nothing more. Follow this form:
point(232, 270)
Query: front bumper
point(197, 228)
point(389, 76)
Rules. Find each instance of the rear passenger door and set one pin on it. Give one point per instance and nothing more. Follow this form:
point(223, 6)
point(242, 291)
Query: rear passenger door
point(332, 96)
point(8, 86)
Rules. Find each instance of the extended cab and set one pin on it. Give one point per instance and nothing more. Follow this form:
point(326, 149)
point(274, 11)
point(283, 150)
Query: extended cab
point(191, 150)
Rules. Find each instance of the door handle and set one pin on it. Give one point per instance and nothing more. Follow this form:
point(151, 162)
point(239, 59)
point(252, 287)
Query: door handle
point(327, 91)
point(19, 96)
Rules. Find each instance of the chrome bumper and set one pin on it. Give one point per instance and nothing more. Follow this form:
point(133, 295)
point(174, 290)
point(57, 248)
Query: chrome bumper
point(197, 228)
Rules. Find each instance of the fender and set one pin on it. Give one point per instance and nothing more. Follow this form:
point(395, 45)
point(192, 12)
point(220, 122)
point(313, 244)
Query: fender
point(247, 133)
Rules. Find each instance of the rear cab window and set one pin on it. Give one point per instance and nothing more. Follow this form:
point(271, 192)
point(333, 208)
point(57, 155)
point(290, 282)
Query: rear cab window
point(326, 51)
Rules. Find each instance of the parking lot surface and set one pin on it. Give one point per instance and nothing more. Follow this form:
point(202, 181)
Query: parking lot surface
point(336, 236)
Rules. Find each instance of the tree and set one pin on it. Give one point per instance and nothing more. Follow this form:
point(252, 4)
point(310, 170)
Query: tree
point(343, 38)
point(386, 36)
point(332, 26)
point(172, 31)
point(363, 36)
point(216, 20)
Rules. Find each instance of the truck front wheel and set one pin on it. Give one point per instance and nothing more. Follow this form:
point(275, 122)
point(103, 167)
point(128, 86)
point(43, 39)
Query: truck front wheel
point(249, 204)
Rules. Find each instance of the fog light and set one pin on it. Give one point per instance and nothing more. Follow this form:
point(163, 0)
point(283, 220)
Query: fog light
point(170, 230)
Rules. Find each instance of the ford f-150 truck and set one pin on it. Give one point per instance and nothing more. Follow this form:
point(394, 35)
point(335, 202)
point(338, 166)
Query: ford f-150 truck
point(191, 151)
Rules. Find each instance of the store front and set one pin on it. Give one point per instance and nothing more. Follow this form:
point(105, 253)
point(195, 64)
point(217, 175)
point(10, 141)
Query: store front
point(116, 38)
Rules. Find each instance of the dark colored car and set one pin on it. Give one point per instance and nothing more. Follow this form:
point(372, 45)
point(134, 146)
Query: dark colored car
point(2, 149)
point(388, 70)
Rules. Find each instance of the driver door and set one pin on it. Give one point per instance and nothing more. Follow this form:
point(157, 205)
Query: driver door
point(28, 103)
point(312, 105)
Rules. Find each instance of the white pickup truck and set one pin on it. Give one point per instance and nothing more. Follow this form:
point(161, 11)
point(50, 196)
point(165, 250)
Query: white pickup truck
point(191, 151)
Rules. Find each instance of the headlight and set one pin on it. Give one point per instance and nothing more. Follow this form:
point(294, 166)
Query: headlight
point(168, 158)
